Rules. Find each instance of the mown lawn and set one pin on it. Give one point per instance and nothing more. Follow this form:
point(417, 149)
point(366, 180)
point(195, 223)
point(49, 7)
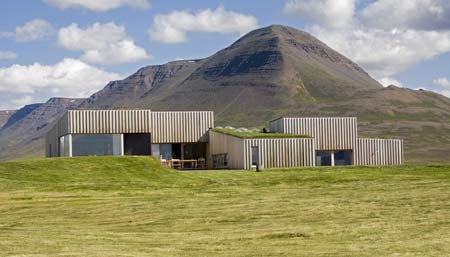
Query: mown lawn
point(130, 206)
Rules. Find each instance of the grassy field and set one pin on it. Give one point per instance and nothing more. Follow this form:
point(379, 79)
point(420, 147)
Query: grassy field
point(134, 207)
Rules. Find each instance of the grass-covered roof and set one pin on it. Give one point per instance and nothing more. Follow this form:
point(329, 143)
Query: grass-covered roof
point(254, 134)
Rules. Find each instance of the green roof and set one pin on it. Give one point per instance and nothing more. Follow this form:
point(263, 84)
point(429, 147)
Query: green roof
point(252, 134)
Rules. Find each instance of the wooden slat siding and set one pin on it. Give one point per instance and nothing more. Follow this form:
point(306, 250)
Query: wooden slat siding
point(273, 152)
point(281, 152)
point(331, 133)
point(167, 127)
point(378, 152)
point(181, 127)
point(109, 121)
point(220, 143)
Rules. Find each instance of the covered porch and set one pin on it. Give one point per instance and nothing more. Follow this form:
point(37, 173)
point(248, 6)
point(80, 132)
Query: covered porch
point(187, 156)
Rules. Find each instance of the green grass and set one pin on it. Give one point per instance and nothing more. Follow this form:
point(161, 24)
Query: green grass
point(251, 134)
point(131, 206)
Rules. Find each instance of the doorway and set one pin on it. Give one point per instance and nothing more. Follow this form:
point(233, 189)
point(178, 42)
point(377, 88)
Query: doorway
point(255, 157)
point(137, 144)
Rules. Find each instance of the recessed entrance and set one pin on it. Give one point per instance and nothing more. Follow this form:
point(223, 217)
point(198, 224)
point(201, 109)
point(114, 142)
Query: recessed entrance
point(137, 144)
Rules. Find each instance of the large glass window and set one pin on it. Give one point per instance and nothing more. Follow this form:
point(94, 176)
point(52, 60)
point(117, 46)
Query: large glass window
point(96, 144)
point(323, 158)
point(155, 151)
point(64, 146)
point(166, 151)
point(61, 146)
point(343, 158)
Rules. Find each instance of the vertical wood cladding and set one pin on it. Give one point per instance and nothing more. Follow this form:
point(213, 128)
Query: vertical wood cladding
point(273, 152)
point(165, 127)
point(280, 152)
point(181, 127)
point(378, 152)
point(330, 133)
point(220, 143)
point(109, 121)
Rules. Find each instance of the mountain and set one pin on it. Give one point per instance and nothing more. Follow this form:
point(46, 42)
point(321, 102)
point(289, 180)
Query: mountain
point(277, 71)
point(265, 73)
point(19, 114)
point(23, 135)
point(4, 116)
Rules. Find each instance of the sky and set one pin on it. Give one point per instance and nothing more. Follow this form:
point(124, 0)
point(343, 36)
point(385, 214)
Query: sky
point(73, 48)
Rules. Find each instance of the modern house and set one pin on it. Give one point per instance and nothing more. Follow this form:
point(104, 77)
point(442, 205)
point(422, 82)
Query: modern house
point(166, 135)
point(189, 139)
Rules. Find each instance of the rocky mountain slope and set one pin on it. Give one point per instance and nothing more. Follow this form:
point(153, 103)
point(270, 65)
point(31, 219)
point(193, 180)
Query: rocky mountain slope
point(277, 71)
point(23, 135)
point(4, 116)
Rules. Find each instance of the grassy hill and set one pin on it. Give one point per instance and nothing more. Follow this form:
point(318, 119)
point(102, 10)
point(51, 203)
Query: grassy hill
point(131, 206)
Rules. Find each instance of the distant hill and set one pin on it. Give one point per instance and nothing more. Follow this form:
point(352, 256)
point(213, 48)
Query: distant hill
point(4, 116)
point(23, 135)
point(268, 73)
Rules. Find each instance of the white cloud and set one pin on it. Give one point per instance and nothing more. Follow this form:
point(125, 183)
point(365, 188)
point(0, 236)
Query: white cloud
point(386, 37)
point(384, 52)
point(99, 5)
point(7, 55)
point(442, 82)
point(445, 93)
point(100, 43)
point(68, 78)
point(329, 13)
point(387, 81)
point(34, 30)
point(173, 27)
point(21, 101)
point(408, 14)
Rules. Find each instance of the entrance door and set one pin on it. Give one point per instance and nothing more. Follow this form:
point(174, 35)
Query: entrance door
point(255, 157)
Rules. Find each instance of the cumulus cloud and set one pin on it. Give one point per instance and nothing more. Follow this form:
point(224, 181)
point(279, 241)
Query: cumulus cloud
point(390, 81)
point(68, 78)
point(408, 14)
point(99, 5)
point(33, 30)
point(385, 52)
point(100, 43)
point(386, 37)
point(329, 13)
point(7, 55)
point(442, 82)
point(173, 27)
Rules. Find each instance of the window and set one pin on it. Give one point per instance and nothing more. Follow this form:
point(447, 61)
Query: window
point(323, 158)
point(220, 161)
point(255, 156)
point(61, 146)
point(64, 146)
point(166, 151)
point(96, 144)
point(342, 158)
point(156, 151)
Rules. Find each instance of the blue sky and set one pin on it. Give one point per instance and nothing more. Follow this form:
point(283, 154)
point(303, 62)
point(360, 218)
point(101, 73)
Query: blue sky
point(72, 48)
